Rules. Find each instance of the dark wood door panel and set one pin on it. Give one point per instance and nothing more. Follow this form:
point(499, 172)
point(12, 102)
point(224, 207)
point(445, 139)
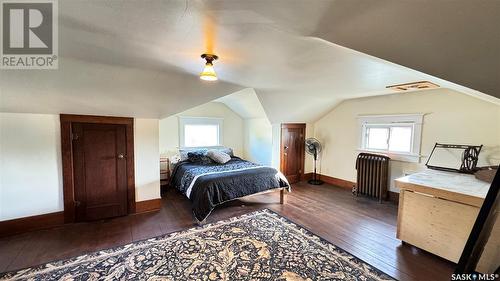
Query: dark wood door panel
point(74, 190)
point(100, 152)
point(292, 151)
point(100, 170)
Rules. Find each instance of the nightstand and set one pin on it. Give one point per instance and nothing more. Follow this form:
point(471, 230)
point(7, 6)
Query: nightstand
point(164, 174)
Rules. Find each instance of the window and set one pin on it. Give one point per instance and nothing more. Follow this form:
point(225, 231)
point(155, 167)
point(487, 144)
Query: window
point(200, 132)
point(389, 138)
point(395, 135)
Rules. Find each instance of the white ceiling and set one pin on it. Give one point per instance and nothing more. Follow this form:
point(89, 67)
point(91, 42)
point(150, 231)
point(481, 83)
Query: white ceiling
point(245, 103)
point(456, 40)
point(141, 58)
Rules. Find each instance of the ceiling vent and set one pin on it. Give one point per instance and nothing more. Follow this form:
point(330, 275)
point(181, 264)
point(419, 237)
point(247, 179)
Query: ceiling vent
point(420, 85)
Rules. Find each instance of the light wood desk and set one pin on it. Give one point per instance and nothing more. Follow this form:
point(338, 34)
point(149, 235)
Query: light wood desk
point(438, 209)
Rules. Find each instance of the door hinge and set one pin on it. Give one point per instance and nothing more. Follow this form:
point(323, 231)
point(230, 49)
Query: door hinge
point(74, 136)
point(77, 203)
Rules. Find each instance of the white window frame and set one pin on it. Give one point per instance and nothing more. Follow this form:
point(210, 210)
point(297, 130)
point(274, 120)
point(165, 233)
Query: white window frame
point(183, 121)
point(411, 120)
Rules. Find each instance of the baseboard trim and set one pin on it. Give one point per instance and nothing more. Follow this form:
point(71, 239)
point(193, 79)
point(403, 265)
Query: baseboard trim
point(148, 206)
point(392, 196)
point(338, 182)
point(306, 177)
point(26, 224)
point(333, 181)
point(50, 220)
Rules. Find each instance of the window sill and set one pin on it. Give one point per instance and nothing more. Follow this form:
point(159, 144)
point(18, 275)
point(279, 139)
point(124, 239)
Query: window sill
point(402, 157)
point(200, 147)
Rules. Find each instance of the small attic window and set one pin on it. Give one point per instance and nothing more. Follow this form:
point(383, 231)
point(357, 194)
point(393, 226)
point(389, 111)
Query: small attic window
point(398, 136)
point(420, 85)
point(200, 131)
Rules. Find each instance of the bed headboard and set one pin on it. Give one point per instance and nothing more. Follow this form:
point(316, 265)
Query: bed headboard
point(184, 151)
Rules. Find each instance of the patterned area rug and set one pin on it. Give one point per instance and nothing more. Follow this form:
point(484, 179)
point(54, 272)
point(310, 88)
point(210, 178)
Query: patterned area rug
point(258, 246)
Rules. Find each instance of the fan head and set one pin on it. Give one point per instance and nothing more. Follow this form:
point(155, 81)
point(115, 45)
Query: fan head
point(313, 146)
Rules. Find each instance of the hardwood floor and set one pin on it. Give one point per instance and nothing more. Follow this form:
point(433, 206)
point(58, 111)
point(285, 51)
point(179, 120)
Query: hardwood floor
point(361, 226)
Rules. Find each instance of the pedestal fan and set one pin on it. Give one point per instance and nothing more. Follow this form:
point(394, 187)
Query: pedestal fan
point(313, 147)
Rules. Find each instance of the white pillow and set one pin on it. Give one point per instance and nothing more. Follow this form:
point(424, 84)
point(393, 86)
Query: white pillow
point(218, 156)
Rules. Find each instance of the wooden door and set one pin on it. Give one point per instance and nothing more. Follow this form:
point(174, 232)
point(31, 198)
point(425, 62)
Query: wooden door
point(100, 170)
point(292, 151)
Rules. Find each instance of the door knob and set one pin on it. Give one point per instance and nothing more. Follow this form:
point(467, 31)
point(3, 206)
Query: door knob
point(286, 147)
point(121, 156)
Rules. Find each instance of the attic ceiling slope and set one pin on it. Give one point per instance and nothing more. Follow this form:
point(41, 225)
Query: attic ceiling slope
point(454, 40)
point(80, 87)
point(142, 58)
point(245, 103)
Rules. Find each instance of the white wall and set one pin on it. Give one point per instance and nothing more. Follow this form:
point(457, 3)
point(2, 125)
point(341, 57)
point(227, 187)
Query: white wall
point(450, 117)
point(258, 141)
point(309, 161)
point(250, 138)
point(276, 141)
point(232, 132)
point(31, 169)
point(147, 159)
point(30, 165)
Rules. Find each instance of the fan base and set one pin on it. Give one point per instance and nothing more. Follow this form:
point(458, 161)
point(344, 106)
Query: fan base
point(315, 182)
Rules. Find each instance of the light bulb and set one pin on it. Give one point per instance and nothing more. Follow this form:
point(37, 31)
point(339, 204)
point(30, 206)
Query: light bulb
point(208, 73)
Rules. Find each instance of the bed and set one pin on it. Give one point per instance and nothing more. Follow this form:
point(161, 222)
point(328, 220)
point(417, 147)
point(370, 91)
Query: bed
point(210, 184)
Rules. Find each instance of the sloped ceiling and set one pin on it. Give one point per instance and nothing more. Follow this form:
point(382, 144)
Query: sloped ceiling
point(141, 58)
point(455, 40)
point(245, 103)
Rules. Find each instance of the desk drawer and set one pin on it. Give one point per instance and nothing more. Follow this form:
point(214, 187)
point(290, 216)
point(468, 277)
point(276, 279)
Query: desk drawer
point(436, 225)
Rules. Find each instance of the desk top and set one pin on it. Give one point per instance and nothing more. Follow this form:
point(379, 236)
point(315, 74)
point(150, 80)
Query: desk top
point(448, 185)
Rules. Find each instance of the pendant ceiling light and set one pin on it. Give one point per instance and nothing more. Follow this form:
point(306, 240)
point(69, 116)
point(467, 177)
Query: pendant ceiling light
point(208, 73)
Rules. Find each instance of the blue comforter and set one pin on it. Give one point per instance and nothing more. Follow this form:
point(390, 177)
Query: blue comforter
point(208, 185)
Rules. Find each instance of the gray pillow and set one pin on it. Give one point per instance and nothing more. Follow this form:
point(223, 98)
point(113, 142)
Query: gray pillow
point(218, 156)
point(226, 150)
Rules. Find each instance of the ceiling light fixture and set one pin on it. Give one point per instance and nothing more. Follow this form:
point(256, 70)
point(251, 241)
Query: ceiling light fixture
point(208, 73)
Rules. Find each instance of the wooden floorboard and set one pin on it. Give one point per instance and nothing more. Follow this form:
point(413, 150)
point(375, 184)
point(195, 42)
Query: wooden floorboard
point(360, 226)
